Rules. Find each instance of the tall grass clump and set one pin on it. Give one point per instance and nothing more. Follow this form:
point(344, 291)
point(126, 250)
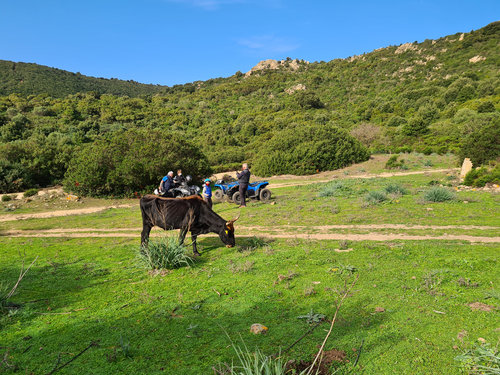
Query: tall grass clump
point(438, 194)
point(395, 188)
point(340, 188)
point(253, 363)
point(6, 198)
point(375, 197)
point(164, 253)
point(481, 360)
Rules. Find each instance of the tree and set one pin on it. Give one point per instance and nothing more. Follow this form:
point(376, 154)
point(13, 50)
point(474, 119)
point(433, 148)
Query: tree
point(415, 126)
point(307, 99)
point(132, 161)
point(482, 145)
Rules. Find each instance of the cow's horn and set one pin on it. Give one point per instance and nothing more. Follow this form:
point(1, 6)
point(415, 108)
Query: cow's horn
point(233, 220)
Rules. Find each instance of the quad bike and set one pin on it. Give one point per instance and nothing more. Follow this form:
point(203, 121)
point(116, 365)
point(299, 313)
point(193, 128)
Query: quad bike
point(181, 190)
point(256, 190)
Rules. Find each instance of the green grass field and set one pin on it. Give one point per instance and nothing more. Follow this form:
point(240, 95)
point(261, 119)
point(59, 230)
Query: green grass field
point(87, 301)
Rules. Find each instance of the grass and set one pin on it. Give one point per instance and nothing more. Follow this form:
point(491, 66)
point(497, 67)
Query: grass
point(173, 322)
point(409, 307)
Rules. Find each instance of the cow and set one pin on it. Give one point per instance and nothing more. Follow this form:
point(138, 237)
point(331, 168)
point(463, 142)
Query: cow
point(187, 214)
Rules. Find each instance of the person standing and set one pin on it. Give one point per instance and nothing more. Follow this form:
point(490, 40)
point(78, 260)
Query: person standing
point(207, 192)
point(243, 180)
point(166, 184)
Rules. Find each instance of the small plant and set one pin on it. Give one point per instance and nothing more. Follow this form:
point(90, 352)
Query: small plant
point(6, 198)
point(438, 194)
point(375, 197)
point(312, 317)
point(396, 188)
point(125, 345)
point(30, 193)
point(428, 163)
point(483, 359)
point(164, 253)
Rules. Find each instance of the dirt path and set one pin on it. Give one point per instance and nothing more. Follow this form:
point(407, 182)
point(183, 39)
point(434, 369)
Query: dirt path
point(320, 233)
point(44, 215)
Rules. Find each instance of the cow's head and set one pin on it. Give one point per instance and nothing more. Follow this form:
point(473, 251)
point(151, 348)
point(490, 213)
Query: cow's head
point(227, 232)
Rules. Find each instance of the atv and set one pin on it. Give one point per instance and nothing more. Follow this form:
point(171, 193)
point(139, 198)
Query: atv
point(256, 190)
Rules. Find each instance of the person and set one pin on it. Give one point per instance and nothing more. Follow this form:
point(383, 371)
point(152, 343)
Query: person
point(166, 184)
point(243, 179)
point(179, 179)
point(207, 192)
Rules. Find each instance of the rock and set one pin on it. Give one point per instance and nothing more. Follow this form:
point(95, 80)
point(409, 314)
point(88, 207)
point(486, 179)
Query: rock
point(258, 328)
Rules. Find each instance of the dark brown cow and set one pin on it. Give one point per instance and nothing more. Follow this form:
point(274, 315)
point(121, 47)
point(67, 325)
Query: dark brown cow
point(187, 214)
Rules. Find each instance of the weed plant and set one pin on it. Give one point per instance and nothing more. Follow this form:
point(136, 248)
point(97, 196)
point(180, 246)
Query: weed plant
point(375, 197)
point(164, 253)
point(482, 359)
point(396, 188)
point(6, 198)
point(439, 194)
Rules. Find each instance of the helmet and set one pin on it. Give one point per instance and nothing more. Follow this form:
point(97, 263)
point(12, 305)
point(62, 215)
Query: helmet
point(207, 180)
point(189, 178)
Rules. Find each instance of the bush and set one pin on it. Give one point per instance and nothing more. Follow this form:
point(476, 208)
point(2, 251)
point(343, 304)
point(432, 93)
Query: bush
point(308, 149)
point(132, 161)
point(393, 163)
point(482, 145)
point(164, 253)
point(375, 197)
point(6, 198)
point(341, 188)
point(481, 176)
point(30, 193)
point(438, 194)
point(395, 188)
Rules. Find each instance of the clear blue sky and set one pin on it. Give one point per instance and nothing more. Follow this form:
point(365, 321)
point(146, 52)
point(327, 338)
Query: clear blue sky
point(171, 42)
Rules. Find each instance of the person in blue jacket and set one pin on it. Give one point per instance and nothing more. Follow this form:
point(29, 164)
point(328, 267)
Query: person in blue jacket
point(166, 184)
point(207, 192)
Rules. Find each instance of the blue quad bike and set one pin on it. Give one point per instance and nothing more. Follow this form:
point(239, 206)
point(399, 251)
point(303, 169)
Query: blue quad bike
point(256, 190)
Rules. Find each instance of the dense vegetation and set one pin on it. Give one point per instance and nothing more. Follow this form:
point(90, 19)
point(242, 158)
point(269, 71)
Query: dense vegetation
point(33, 79)
point(436, 96)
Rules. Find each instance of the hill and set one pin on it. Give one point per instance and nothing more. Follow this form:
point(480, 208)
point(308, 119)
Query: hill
point(436, 96)
point(34, 79)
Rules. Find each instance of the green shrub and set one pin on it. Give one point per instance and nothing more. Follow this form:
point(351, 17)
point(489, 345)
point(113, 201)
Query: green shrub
point(481, 176)
point(164, 253)
point(340, 188)
point(393, 163)
point(396, 188)
point(375, 197)
point(482, 145)
point(438, 194)
point(132, 161)
point(30, 193)
point(6, 198)
point(308, 149)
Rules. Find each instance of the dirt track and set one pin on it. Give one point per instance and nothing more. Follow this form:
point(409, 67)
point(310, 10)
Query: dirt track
point(319, 232)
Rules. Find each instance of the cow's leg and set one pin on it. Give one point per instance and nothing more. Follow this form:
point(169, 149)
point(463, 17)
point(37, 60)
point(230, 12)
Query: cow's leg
point(146, 229)
point(193, 239)
point(182, 235)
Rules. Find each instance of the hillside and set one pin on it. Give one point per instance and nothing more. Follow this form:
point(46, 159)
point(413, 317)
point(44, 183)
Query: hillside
point(429, 97)
point(34, 79)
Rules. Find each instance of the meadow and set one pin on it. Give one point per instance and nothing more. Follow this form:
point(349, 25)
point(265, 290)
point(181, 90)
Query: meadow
point(415, 305)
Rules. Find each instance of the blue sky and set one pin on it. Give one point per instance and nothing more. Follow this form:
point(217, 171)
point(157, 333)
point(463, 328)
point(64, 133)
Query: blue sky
point(171, 42)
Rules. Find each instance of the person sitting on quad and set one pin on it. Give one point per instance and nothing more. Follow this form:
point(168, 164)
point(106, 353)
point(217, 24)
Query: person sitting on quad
point(166, 184)
point(179, 179)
